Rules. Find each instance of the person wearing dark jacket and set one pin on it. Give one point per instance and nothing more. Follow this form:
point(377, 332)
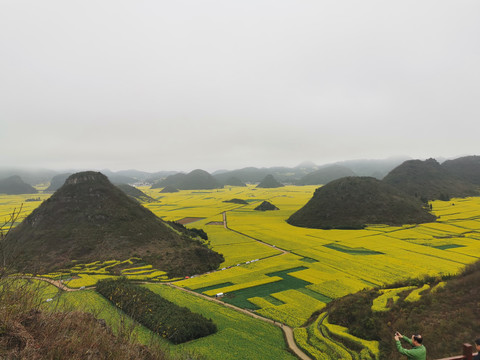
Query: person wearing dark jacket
point(477, 345)
point(417, 352)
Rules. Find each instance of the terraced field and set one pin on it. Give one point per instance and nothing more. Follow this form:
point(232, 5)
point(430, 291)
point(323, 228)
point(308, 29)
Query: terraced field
point(286, 273)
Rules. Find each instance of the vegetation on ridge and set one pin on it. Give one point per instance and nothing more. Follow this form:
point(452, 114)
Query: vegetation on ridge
point(89, 219)
point(15, 185)
point(195, 180)
point(428, 180)
point(354, 202)
point(446, 316)
point(269, 182)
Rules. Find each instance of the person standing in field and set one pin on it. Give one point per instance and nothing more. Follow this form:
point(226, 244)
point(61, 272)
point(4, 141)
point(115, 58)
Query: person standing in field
point(417, 352)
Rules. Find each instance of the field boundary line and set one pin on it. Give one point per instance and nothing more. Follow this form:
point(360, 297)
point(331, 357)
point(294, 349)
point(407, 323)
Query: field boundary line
point(287, 330)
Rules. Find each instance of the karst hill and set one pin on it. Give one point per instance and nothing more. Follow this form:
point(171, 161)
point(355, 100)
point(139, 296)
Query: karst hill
point(14, 185)
point(325, 174)
point(466, 168)
point(90, 219)
point(195, 180)
point(354, 202)
point(266, 206)
point(57, 182)
point(269, 182)
point(428, 180)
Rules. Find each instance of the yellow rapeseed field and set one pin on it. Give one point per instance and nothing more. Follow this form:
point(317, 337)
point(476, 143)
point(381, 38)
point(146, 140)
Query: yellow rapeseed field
point(287, 272)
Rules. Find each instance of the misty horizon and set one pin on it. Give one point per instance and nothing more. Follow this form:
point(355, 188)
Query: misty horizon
point(213, 85)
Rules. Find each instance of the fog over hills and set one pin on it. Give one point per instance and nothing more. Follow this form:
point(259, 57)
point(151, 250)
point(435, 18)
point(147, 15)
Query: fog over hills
point(303, 173)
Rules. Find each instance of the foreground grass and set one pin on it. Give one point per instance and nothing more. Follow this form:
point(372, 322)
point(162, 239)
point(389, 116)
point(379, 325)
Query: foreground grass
point(33, 326)
point(238, 336)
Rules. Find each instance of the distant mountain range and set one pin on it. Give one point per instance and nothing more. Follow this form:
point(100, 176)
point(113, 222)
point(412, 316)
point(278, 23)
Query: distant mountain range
point(306, 173)
point(402, 196)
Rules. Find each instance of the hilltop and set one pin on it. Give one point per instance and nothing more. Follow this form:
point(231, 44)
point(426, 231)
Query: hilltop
point(266, 206)
point(354, 202)
point(57, 182)
point(195, 180)
point(325, 174)
point(89, 219)
point(466, 168)
point(14, 185)
point(428, 180)
point(269, 182)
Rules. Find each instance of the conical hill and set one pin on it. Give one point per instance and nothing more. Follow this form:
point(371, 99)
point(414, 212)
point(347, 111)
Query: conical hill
point(354, 202)
point(195, 180)
point(266, 206)
point(14, 185)
point(269, 182)
point(466, 168)
point(428, 180)
point(90, 219)
point(57, 182)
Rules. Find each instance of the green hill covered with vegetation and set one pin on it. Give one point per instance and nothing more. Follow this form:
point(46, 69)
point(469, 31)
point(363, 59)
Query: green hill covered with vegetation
point(14, 185)
point(354, 202)
point(195, 180)
point(89, 219)
point(466, 168)
point(269, 182)
point(428, 180)
point(57, 182)
point(266, 206)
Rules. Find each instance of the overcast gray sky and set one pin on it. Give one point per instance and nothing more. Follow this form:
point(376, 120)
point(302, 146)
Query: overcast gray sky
point(179, 85)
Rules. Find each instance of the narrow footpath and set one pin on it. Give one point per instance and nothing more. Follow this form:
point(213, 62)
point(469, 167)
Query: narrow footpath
point(287, 330)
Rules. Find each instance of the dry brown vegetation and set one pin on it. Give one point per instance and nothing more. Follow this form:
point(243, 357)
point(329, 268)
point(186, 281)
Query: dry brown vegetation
point(28, 331)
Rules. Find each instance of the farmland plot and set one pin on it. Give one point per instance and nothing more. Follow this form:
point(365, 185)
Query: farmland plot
point(319, 264)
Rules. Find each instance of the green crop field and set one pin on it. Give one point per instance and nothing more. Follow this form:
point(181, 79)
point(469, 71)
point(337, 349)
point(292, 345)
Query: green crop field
point(285, 273)
point(239, 335)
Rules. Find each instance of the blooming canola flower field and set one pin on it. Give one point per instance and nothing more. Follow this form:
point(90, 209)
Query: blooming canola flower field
point(286, 273)
point(333, 263)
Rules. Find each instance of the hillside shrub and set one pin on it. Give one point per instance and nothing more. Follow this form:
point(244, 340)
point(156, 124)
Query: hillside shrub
point(192, 232)
point(174, 323)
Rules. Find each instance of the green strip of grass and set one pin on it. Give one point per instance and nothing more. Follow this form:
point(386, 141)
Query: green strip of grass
point(352, 251)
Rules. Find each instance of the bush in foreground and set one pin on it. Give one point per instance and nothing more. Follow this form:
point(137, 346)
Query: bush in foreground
point(29, 331)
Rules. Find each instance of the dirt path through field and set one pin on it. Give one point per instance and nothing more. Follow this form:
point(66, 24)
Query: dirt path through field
point(57, 283)
point(287, 330)
point(225, 224)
